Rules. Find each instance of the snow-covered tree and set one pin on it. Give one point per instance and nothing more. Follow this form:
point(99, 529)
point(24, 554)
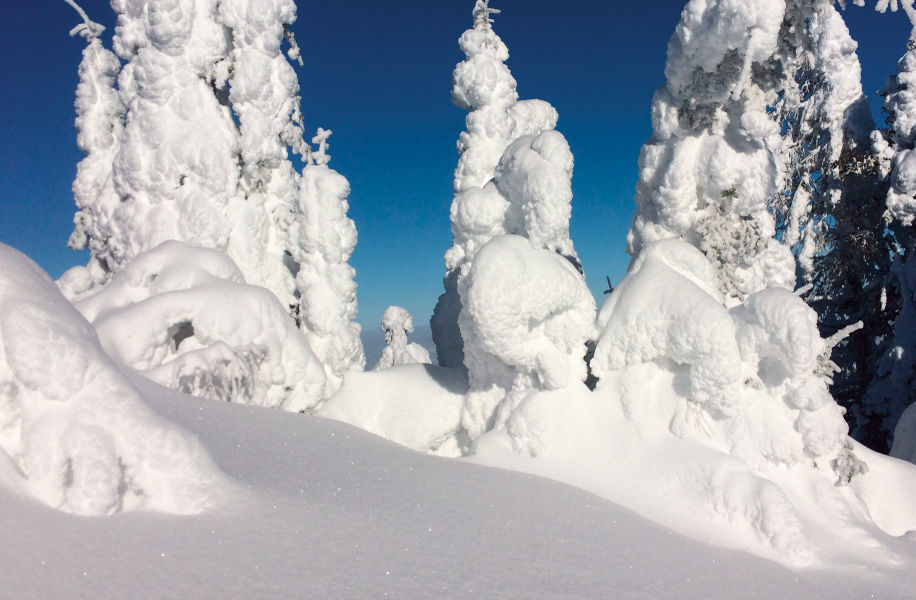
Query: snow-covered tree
point(831, 208)
point(893, 387)
point(397, 323)
point(482, 85)
point(712, 164)
point(326, 238)
point(99, 123)
point(210, 111)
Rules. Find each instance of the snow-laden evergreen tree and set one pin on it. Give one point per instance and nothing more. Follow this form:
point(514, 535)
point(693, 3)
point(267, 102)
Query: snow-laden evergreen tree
point(482, 85)
point(264, 95)
point(181, 168)
point(831, 210)
point(99, 116)
point(894, 386)
point(326, 238)
point(713, 163)
point(397, 323)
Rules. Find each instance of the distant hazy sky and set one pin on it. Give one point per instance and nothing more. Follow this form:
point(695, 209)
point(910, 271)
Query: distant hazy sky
point(379, 75)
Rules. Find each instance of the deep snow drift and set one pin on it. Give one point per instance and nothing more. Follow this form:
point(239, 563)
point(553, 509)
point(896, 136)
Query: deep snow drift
point(74, 432)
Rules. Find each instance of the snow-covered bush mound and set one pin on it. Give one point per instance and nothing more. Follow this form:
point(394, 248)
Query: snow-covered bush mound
point(78, 432)
point(185, 318)
point(397, 323)
point(418, 406)
point(754, 377)
point(526, 318)
point(483, 85)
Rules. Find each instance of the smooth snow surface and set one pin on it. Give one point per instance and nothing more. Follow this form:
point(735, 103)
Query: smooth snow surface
point(74, 432)
point(322, 510)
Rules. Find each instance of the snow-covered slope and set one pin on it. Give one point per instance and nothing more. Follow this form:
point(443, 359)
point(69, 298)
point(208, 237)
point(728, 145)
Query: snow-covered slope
point(322, 510)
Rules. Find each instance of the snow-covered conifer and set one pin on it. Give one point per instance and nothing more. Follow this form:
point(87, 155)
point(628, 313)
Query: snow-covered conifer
point(99, 115)
point(711, 165)
point(264, 95)
point(326, 238)
point(397, 323)
point(482, 85)
point(894, 385)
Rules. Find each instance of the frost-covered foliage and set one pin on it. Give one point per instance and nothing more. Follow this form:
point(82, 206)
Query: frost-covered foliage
point(327, 238)
point(195, 326)
point(482, 85)
point(79, 432)
point(397, 323)
point(526, 317)
point(711, 165)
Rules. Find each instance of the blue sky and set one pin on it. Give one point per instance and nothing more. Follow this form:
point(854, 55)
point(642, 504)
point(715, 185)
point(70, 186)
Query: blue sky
point(379, 75)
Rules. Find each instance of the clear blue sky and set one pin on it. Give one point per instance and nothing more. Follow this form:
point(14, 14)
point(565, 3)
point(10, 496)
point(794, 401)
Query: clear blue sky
point(379, 75)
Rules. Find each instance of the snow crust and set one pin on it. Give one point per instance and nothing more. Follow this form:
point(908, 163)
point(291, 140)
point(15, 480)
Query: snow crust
point(197, 327)
point(74, 433)
point(396, 324)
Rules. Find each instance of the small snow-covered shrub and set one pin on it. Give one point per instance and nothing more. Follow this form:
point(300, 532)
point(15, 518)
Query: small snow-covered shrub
point(79, 432)
point(759, 371)
point(397, 323)
point(527, 315)
point(185, 318)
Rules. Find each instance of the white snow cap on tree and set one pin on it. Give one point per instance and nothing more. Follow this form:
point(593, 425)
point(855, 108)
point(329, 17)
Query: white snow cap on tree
point(482, 85)
point(397, 323)
point(326, 240)
point(710, 167)
point(80, 434)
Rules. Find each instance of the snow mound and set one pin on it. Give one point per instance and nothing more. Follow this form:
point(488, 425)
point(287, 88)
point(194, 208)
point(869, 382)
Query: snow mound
point(397, 323)
point(195, 326)
point(79, 434)
point(527, 315)
point(418, 406)
point(759, 370)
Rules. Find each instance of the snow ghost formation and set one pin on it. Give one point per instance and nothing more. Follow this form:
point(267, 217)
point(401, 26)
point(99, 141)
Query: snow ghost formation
point(711, 165)
point(327, 238)
point(197, 327)
point(707, 296)
point(166, 160)
point(510, 221)
point(482, 85)
point(79, 433)
point(397, 323)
